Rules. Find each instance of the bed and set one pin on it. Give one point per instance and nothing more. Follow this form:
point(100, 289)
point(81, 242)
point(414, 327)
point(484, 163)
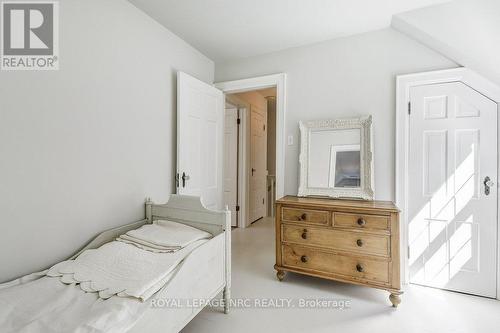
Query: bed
point(203, 275)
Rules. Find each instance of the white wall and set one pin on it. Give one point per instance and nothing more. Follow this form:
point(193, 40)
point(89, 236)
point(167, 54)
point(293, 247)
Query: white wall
point(82, 147)
point(466, 31)
point(343, 78)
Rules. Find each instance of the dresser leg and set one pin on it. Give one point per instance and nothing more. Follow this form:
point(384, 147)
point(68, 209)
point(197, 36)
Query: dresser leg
point(281, 275)
point(395, 298)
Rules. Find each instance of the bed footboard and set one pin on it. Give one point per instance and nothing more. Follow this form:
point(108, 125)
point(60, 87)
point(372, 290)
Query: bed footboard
point(203, 275)
point(190, 211)
point(199, 279)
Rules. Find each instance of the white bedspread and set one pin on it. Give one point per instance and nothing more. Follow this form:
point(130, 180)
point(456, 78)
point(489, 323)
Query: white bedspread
point(120, 269)
point(46, 305)
point(103, 289)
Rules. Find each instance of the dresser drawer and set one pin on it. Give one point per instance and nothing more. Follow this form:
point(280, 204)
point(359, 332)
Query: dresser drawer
point(351, 268)
point(351, 241)
point(305, 215)
point(360, 221)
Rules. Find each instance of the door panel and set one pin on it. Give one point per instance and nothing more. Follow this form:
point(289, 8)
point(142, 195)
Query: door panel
point(200, 121)
point(231, 162)
point(452, 221)
point(258, 163)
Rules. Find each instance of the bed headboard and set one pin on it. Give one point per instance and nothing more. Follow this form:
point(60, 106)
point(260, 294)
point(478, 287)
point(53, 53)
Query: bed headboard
point(189, 210)
point(179, 208)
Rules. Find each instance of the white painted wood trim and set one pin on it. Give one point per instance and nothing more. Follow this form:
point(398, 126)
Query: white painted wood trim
point(227, 262)
point(243, 167)
point(243, 177)
point(403, 85)
point(242, 151)
point(262, 82)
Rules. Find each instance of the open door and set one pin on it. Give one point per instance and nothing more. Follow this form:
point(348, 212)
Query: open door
point(200, 140)
point(258, 163)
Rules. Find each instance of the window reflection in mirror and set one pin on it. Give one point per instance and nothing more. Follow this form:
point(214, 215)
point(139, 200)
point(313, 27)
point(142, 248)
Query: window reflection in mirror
point(334, 158)
point(345, 166)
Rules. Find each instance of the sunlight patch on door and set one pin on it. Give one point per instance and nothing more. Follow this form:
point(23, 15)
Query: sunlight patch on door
point(443, 236)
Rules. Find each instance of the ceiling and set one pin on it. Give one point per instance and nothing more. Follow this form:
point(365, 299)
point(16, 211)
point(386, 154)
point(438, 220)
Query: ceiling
point(229, 29)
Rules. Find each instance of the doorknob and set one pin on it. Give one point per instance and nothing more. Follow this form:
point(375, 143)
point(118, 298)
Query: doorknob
point(184, 178)
point(487, 185)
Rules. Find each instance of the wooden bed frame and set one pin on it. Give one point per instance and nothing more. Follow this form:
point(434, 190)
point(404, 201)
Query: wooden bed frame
point(204, 274)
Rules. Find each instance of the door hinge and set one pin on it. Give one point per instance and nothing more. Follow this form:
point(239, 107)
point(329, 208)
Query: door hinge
point(237, 208)
point(264, 127)
point(238, 121)
point(409, 107)
point(408, 252)
point(184, 179)
point(262, 200)
point(177, 179)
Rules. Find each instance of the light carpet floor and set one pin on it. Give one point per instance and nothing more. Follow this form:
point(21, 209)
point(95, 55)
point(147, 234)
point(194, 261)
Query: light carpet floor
point(422, 309)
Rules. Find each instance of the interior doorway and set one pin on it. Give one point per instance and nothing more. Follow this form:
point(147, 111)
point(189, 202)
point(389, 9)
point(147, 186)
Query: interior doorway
point(250, 155)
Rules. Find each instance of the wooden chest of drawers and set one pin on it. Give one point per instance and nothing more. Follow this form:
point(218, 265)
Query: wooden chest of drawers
point(345, 240)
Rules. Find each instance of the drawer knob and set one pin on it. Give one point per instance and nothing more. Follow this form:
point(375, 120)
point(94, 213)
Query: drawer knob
point(304, 259)
point(359, 268)
point(303, 217)
point(361, 222)
point(304, 234)
point(359, 242)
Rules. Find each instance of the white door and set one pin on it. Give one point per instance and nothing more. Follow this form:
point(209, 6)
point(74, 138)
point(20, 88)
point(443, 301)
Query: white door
point(452, 189)
point(231, 162)
point(258, 163)
point(200, 135)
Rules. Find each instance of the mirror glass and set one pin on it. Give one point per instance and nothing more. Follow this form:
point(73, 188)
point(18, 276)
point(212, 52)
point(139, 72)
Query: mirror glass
point(345, 168)
point(335, 158)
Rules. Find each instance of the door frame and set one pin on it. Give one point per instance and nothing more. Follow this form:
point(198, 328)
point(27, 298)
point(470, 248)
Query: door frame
point(403, 85)
point(257, 83)
point(230, 105)
point(243, 177)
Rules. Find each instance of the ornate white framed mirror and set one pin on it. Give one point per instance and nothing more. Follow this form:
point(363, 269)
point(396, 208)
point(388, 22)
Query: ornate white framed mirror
point(336, 158)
